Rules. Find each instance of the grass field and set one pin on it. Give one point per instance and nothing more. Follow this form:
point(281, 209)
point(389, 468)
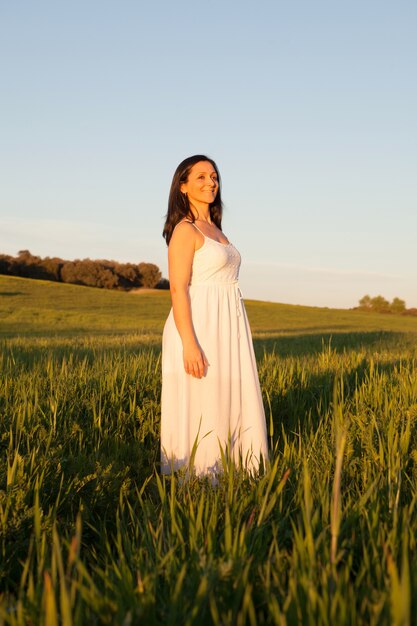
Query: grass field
point(90, 533)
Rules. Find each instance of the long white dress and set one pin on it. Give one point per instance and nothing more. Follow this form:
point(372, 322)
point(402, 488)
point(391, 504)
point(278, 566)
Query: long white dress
point(224, 408)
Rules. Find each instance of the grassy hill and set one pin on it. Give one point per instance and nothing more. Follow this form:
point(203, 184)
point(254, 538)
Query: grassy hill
point(91, 533)
point(42, 308)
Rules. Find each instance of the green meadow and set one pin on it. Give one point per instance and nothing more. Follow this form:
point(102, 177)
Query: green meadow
point(91, 533)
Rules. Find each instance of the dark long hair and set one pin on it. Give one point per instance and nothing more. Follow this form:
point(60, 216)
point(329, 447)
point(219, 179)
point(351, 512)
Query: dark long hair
point(179, 204)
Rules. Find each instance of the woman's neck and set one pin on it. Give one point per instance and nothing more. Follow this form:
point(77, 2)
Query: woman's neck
point(201, 213)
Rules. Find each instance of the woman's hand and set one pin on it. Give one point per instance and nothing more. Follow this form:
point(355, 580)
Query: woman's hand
point(195, 361)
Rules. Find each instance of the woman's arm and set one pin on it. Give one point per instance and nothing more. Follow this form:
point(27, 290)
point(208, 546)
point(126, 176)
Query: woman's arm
point(180, 259)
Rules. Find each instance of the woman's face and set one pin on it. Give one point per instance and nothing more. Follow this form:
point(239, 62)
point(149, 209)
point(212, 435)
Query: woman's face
point(202, 184)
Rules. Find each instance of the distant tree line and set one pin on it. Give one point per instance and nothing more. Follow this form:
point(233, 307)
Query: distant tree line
point(92, 273)
point(379, 304)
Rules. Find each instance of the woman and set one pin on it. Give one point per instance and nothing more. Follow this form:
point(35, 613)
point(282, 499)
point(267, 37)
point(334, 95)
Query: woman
point(210, 388)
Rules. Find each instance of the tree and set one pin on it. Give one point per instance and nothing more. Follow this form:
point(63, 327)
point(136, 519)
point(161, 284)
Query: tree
point(6, 263)
point(29, 265)
point(94, 273)
point(380, 304)
point(365, 302)
point(163, 284)
point(130, 276)
point(151, 274)
point(90, 273)
point(397, 305)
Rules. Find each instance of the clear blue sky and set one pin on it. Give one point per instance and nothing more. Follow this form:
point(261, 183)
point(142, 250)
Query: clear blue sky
point(307, 107)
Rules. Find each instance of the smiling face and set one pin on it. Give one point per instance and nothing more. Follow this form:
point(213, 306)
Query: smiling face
point(202, 185)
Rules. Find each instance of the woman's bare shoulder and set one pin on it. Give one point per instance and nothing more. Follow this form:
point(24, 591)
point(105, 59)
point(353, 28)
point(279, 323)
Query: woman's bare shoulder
point(186, 235)
point(187, 223)
point(184, 228)
point(184, 231)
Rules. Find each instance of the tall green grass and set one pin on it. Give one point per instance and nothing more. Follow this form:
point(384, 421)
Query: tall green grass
point(90, 533)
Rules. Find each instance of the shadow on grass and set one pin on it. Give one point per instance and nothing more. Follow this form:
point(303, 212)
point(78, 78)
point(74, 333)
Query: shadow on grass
point(299, 408)
point(306, 344)
point(90, 346)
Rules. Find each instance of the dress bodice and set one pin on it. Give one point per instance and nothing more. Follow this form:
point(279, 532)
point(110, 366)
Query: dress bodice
point(215, 262)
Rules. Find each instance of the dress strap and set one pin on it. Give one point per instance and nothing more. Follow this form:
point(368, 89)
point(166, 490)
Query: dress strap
point(200, 231)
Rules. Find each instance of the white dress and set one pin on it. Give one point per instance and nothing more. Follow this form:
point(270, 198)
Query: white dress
point(225, 406)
